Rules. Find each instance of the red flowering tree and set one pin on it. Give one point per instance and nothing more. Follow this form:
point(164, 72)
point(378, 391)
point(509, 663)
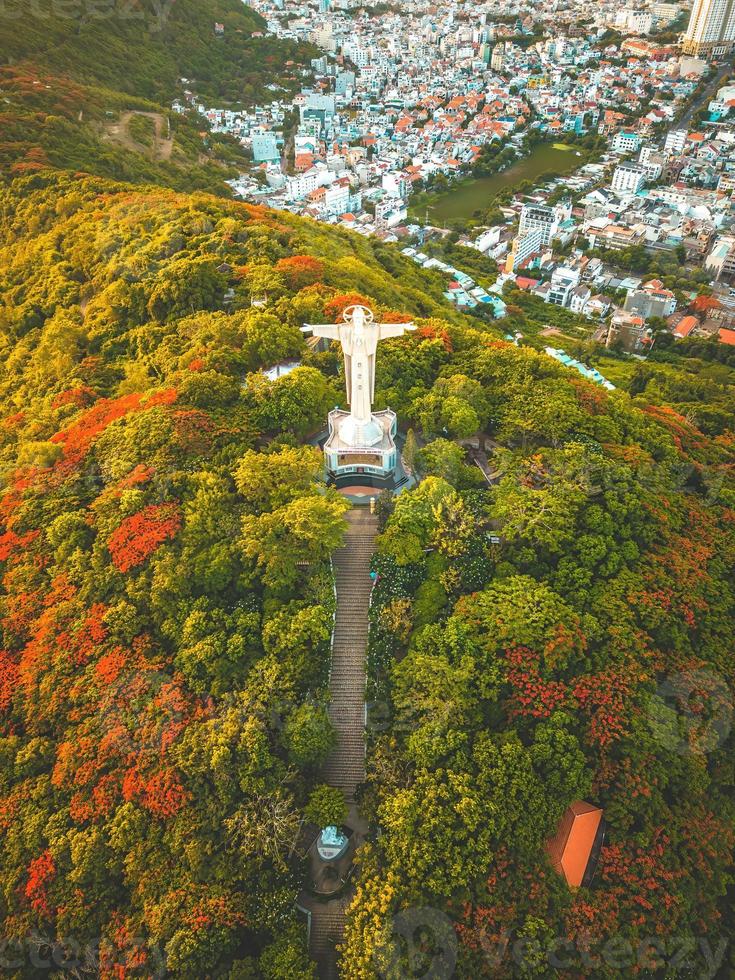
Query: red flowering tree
point(41, 872)
point(11, 544)
point(8, 680)
point(431, 332)
point(138, 536)
point(80, 397)
point(336, 306)
point(161, 792)
point(79, 436)
point(533, 696)
point(606, 697)
point(300, 271)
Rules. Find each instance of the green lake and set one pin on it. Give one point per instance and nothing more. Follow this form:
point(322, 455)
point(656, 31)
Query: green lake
point(471, 193)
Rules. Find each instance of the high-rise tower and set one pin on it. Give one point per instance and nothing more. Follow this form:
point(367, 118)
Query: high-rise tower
point(711, 30)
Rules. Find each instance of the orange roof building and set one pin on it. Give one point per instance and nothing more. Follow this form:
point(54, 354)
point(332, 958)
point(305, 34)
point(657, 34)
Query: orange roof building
point(574, 848)
point(685, 326)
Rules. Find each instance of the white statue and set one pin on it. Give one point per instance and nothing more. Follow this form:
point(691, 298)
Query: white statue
point(359, 336)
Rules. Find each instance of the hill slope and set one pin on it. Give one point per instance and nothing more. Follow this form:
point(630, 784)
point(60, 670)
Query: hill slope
point(143, 49)
point(66, 83)
point(166, 603)
point(51, 121)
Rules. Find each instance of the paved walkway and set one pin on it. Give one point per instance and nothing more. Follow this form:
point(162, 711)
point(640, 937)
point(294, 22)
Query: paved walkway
point(345, 766)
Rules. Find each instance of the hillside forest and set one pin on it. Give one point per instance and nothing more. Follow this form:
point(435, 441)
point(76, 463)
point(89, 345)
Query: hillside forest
point(71, 78)
point(562, 632)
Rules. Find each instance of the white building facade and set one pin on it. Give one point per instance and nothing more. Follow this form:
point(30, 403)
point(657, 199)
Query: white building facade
point(628, 178)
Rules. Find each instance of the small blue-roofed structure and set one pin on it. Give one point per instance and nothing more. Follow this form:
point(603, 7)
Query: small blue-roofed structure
point(592, 374)
point(332, 844)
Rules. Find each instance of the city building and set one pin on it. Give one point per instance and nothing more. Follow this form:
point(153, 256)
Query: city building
point(627, 329)
point(666, 13)
point(544, 218)
point(526, 246)
point(265, 148)
point(628, 178)
point(563, 281)
point(720, 263)
point(652, 162)
point(626, 142)
point(652, 299)
point(711, 30)
point(675, 142)
point(634, 21)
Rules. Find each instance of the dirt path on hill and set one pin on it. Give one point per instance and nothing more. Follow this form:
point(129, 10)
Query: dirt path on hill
point(119, 132)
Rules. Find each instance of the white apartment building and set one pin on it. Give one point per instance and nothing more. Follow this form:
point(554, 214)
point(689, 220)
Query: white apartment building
point(300, 186)
point(389, 212)
point(711, 29)
point(628, 178)
point(337, 197)
point(488, 239)
point(357, 54)
point(625, 142)
point(540, 216)
point(652, 162)
point(563, 281)
point(666, 13)
point(634, 21)
point(675, 142)
point(579, 298)
point(396, 184)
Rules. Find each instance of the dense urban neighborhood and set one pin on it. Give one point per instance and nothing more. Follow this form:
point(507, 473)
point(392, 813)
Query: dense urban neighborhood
point(408, 103)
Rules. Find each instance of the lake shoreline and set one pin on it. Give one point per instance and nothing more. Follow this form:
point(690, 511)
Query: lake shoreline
point(468, 194)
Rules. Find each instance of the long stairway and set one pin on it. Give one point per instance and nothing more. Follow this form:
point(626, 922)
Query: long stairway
point(345, 766)
point(327, 928)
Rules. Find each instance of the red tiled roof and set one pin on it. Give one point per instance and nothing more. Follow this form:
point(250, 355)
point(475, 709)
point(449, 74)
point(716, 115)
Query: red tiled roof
point(685, 326)
point(571, 846)
point(727, 336)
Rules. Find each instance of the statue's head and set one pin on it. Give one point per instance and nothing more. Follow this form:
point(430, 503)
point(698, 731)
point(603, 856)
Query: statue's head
point(357, 314)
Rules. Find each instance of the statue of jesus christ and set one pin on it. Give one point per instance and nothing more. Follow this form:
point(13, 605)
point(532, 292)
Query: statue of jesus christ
point(359, 336)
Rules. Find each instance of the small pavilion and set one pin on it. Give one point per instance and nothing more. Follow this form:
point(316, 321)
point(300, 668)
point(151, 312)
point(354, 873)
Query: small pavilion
point(575, 847)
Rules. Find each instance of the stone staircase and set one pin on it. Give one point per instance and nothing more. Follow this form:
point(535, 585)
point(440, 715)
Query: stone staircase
point(345, 766)
point(327, 927)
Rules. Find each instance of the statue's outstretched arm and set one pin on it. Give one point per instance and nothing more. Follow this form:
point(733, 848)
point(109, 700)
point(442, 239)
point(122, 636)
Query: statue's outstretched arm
point(328, 330)
point(394, 329)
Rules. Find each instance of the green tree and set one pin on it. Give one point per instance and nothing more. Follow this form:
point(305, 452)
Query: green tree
point(305, 530)
point(456, 405)
point(410, 450)
point(438, 832)
point(267, 481)
point(413, 523)
point(287, 959)
point(308, 735)
point(326, 806)
point(268, 340)
point(297, 403)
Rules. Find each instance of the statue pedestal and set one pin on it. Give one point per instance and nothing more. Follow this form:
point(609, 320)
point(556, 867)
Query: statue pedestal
point(362, 453)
